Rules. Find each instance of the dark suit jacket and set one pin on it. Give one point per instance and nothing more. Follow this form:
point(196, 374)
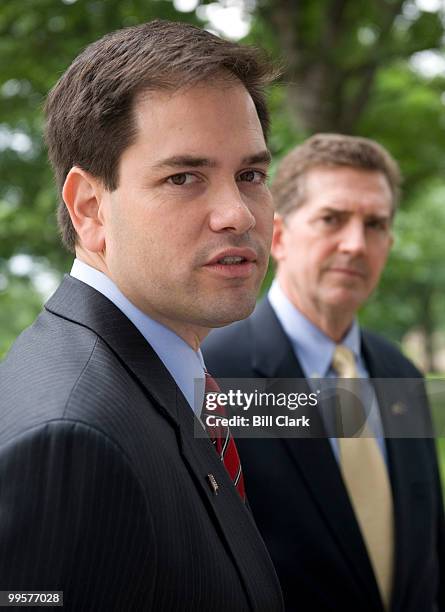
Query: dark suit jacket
point(103, 487)
point(298, 498)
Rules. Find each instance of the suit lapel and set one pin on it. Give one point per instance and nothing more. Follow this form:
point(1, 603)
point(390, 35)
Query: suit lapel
point(273, 357)
point(82, 304)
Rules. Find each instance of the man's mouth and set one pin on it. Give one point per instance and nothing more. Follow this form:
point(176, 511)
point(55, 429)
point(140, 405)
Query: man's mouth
point(233, 256)
point(353, 272)
point(231, 260)
point(233, 263)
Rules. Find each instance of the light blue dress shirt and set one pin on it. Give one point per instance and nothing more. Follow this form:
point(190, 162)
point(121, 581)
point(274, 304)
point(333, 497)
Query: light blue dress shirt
point(184, 364)
point(314, 351)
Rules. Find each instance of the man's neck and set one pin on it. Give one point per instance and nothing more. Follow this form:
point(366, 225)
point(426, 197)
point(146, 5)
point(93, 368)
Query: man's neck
point(333, 322)
point(334, 325)
point(191, 334)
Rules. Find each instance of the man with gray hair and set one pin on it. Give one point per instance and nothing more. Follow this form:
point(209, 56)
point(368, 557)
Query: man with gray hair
point(350, 523)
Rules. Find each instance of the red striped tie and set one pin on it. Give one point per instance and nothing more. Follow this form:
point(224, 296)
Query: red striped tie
point(224, 443)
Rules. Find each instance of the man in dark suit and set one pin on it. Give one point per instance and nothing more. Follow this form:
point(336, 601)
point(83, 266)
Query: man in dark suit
point(157, 137)
point(350, 523)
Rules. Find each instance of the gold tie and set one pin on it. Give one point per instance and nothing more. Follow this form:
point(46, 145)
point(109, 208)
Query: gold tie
point(366, 479)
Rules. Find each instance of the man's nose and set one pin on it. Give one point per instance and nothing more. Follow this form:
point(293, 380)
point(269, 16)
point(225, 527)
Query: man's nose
point(353, 238)
point(230, 212)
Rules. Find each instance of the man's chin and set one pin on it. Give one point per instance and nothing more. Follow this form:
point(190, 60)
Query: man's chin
point(346, 300)
point(229, 313)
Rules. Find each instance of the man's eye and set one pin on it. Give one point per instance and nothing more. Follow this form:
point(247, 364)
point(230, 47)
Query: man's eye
point(252, 176)
point(183, 178)
point(329, 220)
point(377, 224)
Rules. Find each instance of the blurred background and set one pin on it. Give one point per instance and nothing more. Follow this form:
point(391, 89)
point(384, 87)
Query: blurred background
point(374, 68)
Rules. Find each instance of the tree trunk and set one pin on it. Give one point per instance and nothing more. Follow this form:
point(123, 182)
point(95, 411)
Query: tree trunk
point(330, 74)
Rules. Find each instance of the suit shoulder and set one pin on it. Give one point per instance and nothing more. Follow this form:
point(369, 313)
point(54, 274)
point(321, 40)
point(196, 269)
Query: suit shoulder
point(41, 370)
point(389, 355)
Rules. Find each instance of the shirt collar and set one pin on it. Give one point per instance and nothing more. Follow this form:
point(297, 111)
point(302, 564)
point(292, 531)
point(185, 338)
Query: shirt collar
point(184, 364)
point(313, 348)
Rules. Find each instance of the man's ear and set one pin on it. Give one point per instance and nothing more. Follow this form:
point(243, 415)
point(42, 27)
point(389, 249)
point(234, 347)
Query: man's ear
point(277, 247)
point(82, 194)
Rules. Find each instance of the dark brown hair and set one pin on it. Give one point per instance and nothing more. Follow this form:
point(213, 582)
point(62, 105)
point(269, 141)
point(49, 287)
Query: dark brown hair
point(330, 150)
point(90, 110)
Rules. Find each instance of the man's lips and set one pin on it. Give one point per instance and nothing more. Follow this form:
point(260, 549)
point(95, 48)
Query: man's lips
point(242, 266)
point(247, 254)
point(354, 272)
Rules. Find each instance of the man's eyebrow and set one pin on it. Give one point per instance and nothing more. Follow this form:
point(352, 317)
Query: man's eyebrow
point(334, 209)
point(190, 161)
point(263, 157)
point(344, 211)
point(181, 161)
